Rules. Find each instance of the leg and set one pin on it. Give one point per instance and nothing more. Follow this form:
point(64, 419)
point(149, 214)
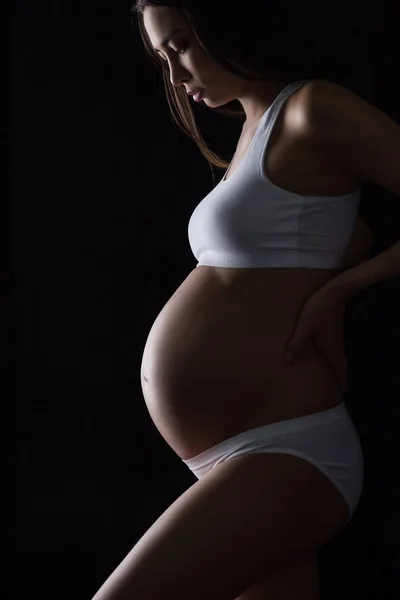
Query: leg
point(296, 580)
point(244, 519)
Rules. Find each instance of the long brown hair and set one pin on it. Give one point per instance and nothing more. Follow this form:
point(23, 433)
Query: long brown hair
point(239, 41)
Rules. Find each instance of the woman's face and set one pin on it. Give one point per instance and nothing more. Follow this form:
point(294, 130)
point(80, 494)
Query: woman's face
point(191, 66)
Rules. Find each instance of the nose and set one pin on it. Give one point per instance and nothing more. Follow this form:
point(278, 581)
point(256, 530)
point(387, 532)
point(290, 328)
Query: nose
point(177, 75)
point(177, 81)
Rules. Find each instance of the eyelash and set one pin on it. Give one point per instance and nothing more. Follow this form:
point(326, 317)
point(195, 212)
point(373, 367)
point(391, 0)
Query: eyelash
point(181, 51)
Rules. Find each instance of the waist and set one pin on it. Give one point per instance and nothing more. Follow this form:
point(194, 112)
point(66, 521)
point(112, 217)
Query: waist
point(213, 359)
point(221, 318)
point(274, 280)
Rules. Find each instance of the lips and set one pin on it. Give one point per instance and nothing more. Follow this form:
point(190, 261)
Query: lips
point(193, 92)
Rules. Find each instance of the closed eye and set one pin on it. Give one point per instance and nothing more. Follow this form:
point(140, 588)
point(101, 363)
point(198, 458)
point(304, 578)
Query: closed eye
point(181, 51)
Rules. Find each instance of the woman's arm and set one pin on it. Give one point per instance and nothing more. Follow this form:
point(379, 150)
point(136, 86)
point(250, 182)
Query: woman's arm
point(360, 246)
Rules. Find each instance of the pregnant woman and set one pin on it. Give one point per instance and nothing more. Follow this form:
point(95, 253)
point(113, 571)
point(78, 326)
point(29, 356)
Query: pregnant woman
point(280, 250)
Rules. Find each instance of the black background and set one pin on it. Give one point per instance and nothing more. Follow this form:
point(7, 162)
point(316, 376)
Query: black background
point(105, 185)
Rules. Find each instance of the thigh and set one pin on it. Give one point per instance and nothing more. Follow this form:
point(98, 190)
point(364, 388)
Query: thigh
point(298, 578)
point(245, 518)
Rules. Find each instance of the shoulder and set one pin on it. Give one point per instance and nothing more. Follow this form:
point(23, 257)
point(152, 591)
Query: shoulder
point(309, 125)
point(360, 138)
point(316, 114)
point(313, 100)
point(301, 115)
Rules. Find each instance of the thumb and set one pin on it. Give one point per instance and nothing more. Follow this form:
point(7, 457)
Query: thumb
point(293, 345)
point(288, 357)
point(291, 349)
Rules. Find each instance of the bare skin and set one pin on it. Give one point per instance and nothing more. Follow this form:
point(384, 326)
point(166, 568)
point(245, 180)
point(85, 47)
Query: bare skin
point(195, 68)
point(212, 367)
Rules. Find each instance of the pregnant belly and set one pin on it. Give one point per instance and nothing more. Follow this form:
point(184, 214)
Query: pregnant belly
point(212, 364)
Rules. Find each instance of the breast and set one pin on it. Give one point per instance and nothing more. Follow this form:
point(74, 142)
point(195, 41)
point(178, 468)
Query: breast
point(212, 363)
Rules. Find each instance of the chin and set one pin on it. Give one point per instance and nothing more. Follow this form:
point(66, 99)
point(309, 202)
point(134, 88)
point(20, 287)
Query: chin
point(215, 104)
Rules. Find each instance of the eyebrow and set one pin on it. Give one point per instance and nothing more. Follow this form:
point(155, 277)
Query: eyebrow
point(171, 35)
